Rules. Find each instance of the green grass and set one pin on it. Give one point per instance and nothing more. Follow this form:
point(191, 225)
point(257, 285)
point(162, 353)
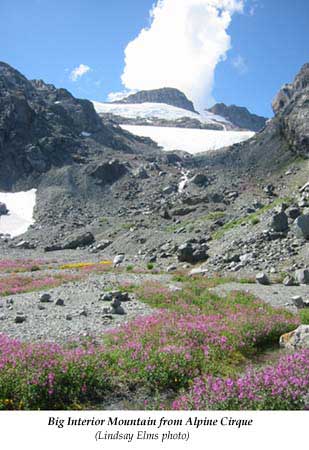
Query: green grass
point(253, 218)
point(191, 224)
point(304, 316)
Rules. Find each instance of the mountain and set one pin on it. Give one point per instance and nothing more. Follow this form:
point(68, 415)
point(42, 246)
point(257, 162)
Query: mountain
point(42, 127)
point(160, 115)
point(239, 116)
point(284, 137)
point(169, 96)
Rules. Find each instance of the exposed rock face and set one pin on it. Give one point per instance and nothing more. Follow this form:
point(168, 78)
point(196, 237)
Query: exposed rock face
point(291, 107)
point(239, 116)
point(170, 96)
point(42, 127)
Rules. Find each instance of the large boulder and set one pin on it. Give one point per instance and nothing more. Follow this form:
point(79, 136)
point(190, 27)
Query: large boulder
point(79, 240)
point(192, 253)
point(200, 180)
point(279, 222)
point(301, 226)
point(297, 339)
point(3, 209)
point(262, 278)
point(302, 276)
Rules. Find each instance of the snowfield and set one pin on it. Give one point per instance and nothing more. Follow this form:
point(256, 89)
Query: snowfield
point(187, 139)
point(155, 110)
point(20, 216)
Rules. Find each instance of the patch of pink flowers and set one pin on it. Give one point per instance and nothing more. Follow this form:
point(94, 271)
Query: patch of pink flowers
point(284, 386)
point(16, 284)
point(22, 265)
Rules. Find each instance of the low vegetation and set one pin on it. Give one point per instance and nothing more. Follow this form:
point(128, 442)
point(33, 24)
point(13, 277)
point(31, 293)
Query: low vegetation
point(191, 335)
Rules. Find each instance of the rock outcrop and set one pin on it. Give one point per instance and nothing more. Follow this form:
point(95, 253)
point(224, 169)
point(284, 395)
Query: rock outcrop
point(291, 108)
point(239, 116)
point(170, 96)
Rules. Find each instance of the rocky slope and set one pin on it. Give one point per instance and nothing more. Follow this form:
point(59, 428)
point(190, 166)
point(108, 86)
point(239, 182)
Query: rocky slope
point(239, 116)
point(114, 193)
point(169, 96)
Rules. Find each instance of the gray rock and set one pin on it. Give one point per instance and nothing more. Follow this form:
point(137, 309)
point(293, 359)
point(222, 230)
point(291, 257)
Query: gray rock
point(3, 209)
point(279, 222)
point(60, 302)
point(289, 281)
point(302, 276)
point(262, 278)
point(20, 318)
point(293, 212)
point(45, 298)
point(297, 339)
point(200, 180)
point(118, 310)
point(298, 301)
point(192, 253)
point(79, 240)
point(301, 226)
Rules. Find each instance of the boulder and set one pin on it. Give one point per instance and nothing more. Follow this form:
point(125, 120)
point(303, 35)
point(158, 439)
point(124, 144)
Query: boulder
point(59, 302)
point(298, 301)
point(200, 180)
point(20, 318)
point(289, 281)
point(301, 226)
point(293, 212)
point(262, 278)
point(45, 298)
point(296, 339)
point(79, 240)
point(3, 209)
point(279, 222)
point(302, 276)
point(192, 253)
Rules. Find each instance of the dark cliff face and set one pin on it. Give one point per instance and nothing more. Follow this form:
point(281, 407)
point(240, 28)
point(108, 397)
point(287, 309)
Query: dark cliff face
point(170, 96)
point(291, 106)
point(239, 116)
point(43, 127)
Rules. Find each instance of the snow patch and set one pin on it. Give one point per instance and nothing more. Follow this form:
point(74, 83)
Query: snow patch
point(189, 140)
point(85, 134)
point(20, 216)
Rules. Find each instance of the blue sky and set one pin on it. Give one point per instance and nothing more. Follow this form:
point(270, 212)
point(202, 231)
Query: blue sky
point(48, 39)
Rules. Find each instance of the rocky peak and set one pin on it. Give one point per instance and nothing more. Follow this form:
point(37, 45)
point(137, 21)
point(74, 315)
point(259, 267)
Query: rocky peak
point(239, 116)
point(292, 111)
point(169, 96)
point(42, 127)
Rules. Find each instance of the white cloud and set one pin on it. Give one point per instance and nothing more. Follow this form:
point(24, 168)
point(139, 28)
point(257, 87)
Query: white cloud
point(117, 96)
point(181, 48)
point(240, 65)
point(79, 71)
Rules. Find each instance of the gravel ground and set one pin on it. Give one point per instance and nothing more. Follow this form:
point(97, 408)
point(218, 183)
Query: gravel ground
point(51, 324)
point(276, 295)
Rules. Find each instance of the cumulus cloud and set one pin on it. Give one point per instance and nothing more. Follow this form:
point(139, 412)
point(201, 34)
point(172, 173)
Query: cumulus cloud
point(181, 48)
point(240, 64)
point(79, 71)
